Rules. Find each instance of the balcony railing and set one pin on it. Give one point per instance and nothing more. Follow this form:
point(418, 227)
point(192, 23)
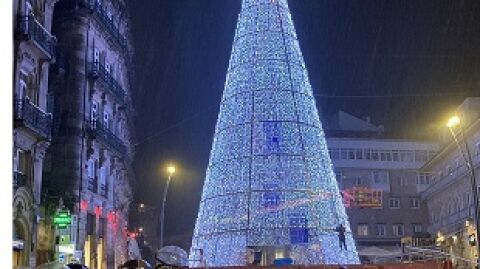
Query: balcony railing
point(32, 117)
point(19, 180)
point(102, 133)
point(92, 184)
point(103, 190)
point(101, 16)
point(97, 70)
point(31, 29)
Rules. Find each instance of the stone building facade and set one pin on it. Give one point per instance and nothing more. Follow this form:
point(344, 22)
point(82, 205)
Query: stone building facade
point(88, 170)
point(380, 181)
point(34, 51)
point(449, 198)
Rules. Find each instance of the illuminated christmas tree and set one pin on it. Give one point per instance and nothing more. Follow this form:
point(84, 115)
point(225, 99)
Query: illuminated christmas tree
point(269, 185)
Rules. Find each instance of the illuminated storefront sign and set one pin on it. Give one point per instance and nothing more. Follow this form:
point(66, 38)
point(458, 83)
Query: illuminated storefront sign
point(62, 219)
point(68, 248)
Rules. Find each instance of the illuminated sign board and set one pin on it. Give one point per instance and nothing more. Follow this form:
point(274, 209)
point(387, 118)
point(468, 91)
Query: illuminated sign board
point(62, 219)
point(68, 248)
point(361, 197)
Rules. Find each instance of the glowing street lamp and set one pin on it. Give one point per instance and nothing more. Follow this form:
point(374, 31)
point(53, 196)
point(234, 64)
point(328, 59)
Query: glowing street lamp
point(453, 121)
point(171, 170)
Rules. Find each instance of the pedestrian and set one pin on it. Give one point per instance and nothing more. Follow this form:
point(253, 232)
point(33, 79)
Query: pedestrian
point(341, 236)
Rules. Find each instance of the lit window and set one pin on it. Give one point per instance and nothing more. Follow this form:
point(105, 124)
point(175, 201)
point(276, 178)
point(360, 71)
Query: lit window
point(362, 230)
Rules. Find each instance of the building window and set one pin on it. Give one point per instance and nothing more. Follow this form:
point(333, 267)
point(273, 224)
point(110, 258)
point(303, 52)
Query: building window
point(102, 227)
point(94, 112)
point(362, 230)
point(406, 156)
point(394, 203)
point(381, 229)
point(415, 203)
point(417, 228)
point(334, 154)
point(403, 181)
point(398, 229)
point(91, 169)
point(380, 177)
point(106, 119)
point(91, 219)
point(385, 156)
point(423, 179)
point(351, 154)
point(92, 175)
point(103, 181)
point(377, 198)
point(359, 154)
point(358, 181)
point(421, 156)
point(395, 155)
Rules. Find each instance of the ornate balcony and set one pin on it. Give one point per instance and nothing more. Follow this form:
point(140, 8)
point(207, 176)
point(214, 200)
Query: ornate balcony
point(31, 29)
point(98, 131)
point(101, 16)
point(19, 180)
point(30, 116)
point(97, 71)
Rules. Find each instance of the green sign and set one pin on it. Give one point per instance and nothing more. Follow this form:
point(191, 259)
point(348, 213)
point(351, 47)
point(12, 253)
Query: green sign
point(62, 219)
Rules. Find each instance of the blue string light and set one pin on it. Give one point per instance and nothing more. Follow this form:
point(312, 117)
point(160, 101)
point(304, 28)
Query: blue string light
point(269, 181)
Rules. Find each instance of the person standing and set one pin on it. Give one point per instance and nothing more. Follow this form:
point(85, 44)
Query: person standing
point(341, 236)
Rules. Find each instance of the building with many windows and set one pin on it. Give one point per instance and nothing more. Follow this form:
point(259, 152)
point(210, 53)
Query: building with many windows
point(450, 198)
point(34, 51)
point(88, 170)
point(379, 180)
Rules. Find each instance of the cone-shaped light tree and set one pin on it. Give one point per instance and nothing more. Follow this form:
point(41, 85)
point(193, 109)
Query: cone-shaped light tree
point(269, 185)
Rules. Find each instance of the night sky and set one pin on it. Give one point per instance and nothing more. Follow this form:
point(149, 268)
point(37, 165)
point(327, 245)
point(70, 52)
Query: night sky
point(406, 64)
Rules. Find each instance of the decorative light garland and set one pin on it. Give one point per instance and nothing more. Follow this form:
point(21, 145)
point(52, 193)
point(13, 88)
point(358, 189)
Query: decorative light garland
point(270, 181)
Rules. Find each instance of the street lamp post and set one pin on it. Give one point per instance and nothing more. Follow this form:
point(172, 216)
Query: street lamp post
point(467, 157)
point(171, 171)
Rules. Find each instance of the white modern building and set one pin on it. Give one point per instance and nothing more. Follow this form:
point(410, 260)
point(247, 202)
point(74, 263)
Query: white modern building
point(380, 181)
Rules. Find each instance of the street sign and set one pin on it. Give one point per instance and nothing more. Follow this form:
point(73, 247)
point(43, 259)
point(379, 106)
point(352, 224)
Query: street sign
point(61, 257)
